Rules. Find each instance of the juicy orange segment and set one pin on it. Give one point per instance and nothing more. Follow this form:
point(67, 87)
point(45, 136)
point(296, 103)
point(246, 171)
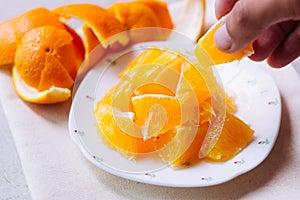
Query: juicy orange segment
point(191, 155)
point(234, 137)
point(113, 133)
point(7, 42)
point(30, 94)
point(103, 23)
point(146, 57)
point(46, 57)
point(207, 47)
point(156, 114)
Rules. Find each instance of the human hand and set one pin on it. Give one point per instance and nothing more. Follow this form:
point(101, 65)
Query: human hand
point(272, 25)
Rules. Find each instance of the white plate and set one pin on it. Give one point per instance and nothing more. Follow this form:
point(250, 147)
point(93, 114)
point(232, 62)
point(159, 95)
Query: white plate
point(258, 103)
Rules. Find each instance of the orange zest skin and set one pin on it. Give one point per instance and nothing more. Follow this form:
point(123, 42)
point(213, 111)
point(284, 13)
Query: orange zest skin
point(12, 30)
point(235, 136)
point(50, 50)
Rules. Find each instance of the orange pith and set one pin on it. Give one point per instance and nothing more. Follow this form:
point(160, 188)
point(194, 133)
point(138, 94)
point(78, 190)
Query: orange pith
point(50, 50)
point(234, 137)
point(119, 139)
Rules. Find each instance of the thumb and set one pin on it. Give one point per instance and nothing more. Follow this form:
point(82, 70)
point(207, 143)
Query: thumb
point(249, 18)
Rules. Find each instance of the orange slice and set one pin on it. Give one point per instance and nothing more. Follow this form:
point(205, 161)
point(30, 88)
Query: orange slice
point(112, 124)
point(208, 54)
point(103, 23)
point(156, 113)
point(235, 136)
point(147, 108)
point(146, 57)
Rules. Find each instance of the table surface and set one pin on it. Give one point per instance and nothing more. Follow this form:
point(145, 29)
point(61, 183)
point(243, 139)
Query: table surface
point(260, 182)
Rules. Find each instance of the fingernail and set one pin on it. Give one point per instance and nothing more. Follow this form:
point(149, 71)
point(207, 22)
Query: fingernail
point(222, 38)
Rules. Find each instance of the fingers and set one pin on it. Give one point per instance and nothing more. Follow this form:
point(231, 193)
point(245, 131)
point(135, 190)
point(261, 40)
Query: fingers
point(223, 7)
point(287, 51)
point(249, 18)
point(270, 39)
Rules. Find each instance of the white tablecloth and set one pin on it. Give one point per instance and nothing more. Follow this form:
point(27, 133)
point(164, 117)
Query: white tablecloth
point(55, 168)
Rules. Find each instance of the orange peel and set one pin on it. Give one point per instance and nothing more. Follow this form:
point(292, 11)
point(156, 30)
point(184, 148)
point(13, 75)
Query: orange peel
point(102, 22)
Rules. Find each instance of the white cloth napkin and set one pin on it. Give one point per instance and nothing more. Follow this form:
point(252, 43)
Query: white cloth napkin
point(55, 168)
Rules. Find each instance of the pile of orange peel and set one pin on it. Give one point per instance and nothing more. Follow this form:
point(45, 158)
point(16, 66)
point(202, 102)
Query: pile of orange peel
point(45, 53)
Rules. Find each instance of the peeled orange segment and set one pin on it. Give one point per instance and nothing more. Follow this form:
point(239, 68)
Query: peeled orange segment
point(160, 8)
point(12, 30)
point(234, 137)
point(103, 23)
point(112, 132)
point(46, 57)
point(146, 57)
point(208, 54)
point(190, 155)
point(30, 94)
point(190, 19)
point(156, 113)
point(153, 88)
